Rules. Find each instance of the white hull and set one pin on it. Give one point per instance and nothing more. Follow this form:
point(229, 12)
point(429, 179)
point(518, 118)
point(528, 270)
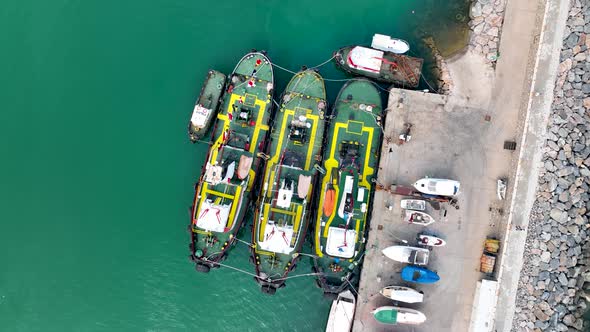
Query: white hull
point(388, 44)
point(402, 294)
point(404, 254)
point(432, 241)
point(438, 187)
point(341, 313)
point(413, 204)
point(404, 315)
point(418, 218)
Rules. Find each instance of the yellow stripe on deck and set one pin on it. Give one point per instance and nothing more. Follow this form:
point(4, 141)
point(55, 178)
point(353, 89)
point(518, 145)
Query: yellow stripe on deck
point(259, 125)
point(220, 194)
point(289, 213)
point(263, 222)
point(234, 207)
point(297, 219)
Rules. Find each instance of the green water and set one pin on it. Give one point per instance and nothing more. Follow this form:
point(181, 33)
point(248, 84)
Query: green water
point(97, 172)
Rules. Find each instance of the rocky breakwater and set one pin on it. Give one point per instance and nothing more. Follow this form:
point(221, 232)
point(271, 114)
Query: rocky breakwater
point(486, 24)
point(554, 287)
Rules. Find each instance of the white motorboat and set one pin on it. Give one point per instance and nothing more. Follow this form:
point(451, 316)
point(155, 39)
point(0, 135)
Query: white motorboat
point(501, 189)
point(396, 315)
point(388, 44)
point(418, 218)
point(413, 204)
point(406, 254)
point(430, 240)
point(402, 294)
point(439, 187)
point(341, 313)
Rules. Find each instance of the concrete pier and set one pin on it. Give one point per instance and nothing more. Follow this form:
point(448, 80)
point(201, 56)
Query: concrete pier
point(461, 136)
point(446, 142)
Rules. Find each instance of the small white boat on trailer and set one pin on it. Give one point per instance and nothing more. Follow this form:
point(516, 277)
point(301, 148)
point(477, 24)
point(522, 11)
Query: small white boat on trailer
point(402, 294)
point(406, 254)
point(413, 204)
point(341, 313)
point(431, 240)
point(438, 187)
point(388, 44)
point(396, 315)
point(418, 218)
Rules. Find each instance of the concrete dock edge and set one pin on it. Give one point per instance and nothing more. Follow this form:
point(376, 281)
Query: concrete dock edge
point(533, 138)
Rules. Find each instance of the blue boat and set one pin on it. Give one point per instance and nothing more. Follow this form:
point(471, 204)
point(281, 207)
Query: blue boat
point(419, 275)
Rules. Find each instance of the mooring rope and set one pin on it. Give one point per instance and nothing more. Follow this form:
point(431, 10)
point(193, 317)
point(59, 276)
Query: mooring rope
point(235, 269)
point(244, 242)
point(323, 63)
point(352, 287)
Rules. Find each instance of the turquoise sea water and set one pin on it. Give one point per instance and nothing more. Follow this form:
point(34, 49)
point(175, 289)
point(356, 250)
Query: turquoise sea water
point(97, 172)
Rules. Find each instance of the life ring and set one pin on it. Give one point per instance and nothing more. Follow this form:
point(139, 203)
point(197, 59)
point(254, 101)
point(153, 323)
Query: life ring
point(219, 86)
point(460, 17)
point(341, 61)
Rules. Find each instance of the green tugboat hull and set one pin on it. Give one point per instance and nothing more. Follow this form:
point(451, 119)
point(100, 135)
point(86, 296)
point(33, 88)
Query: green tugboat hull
point(347, 187)
point(282, 213)
point(233, 163)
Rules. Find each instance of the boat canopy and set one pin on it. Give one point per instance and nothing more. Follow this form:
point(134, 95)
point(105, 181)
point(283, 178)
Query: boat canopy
point(386, 43)
point(340, 242)
point(213, 174)
point(346, 205)
point(285, 194)
point(366, 59)
point(444, 187)
point(200, 116)
point(277, 238)
point(244, 166)
point(303, 185)
point(213, 217)
point(386, 316)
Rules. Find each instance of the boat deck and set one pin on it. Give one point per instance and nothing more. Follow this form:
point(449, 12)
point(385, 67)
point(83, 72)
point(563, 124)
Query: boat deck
point(401, 70)
point(232, 161)
point(296, 143)
point(353, 145)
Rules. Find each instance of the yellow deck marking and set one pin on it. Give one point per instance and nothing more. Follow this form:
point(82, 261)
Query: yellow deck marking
point(272, 177)
point(251, 178)
point(220, 194)
point(297, 220)
point(367, 170)
point(332, 163)
point(202, 199)
point(289, 213)
point(259, 126)
point(314, 130)
point(354, 124)
point(198, 231)
point(263, 224)
point(234, 207)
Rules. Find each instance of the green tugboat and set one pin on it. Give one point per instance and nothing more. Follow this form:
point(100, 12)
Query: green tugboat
point(347, 187)
point(233, 162)
point(282, 214)
point(206, 106)
point(379, 65)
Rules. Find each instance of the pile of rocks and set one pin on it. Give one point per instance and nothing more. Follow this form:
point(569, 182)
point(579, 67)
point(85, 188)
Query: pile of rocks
point(486, 22)
point(554, 283)
point(445, 83)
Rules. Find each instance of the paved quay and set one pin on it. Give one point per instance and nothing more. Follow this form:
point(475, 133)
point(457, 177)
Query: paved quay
point(446, 143)
point(461, 136)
